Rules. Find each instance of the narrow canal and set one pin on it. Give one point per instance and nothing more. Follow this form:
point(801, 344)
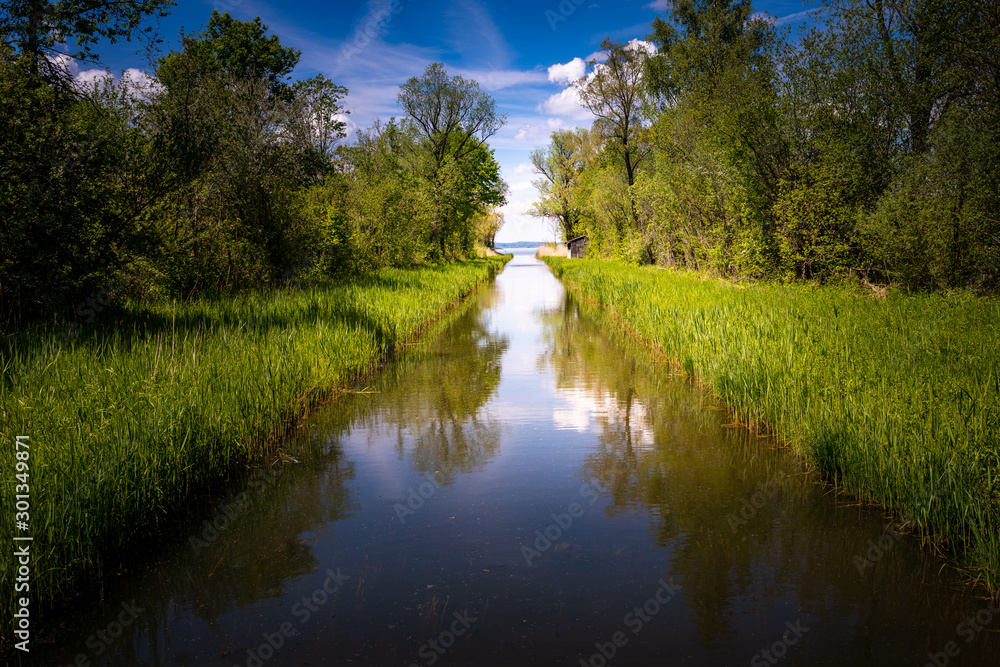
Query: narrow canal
point(521, 488)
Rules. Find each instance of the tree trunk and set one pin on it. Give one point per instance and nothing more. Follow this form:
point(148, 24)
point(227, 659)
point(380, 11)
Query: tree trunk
point(36, 10)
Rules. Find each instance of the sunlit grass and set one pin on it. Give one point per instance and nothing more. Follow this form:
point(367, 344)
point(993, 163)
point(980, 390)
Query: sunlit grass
point(149, 406)
point(896, 401)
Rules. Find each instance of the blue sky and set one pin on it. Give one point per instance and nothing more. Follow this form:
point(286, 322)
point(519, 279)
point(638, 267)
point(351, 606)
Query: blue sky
point(522, 52)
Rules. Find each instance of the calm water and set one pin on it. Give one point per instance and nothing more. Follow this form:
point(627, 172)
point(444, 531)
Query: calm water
point(522, 489)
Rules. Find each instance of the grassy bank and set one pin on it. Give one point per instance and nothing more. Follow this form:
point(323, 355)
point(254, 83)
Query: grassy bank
point(149, 406)
point(897, 401)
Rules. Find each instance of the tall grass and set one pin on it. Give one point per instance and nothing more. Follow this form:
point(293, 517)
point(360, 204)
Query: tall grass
point(144, 410)
point(896, 401)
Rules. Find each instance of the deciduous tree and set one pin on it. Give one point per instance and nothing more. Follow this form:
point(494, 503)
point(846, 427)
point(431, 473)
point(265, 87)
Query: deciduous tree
point(455, 118)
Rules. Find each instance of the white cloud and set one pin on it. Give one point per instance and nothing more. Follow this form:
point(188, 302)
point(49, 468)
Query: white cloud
point(135, 80)
point(524, 168)
point(642, 45)
point(517, 225)
point(568, 73)
point(88, 78)
point(140, 83)
point(350, 127)
point(763, 16)
point(659, 5)
point(565, 103)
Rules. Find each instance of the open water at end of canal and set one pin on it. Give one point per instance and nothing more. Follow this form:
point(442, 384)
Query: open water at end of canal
point(523, 488)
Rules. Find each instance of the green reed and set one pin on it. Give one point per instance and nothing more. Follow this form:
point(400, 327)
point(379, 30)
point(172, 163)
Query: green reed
point(149, 407)
point(895, 401)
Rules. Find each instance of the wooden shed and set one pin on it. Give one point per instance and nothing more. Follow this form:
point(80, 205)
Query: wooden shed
point(578, 247)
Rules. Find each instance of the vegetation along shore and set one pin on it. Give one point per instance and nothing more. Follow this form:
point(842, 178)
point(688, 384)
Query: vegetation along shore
point(895, 401)
point(132, 418)
point(190, 259)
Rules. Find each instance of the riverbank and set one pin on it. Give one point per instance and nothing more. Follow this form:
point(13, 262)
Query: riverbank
point(895, 401)
point(146, 408)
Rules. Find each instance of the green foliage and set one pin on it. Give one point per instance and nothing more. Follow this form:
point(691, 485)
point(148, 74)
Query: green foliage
point(561, 165)
point(64, 208)
point(814, 223)
point(863, 150)
point(382, 212)
point(387, 206)
point(317, 112)
point(453, 119)
point(897, 401)
point(699, 43)
point(489, 223)
point(235, 50)
point(41, 30)
point(133, 419)
point(613, 93)
point(937, 226)
point(237, 145)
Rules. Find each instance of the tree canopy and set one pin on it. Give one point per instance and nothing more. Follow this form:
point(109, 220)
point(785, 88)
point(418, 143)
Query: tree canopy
point(44, 31)
point(864, 151)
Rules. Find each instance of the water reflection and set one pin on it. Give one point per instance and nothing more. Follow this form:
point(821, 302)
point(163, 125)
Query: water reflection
point(506, 409)
point(432, 402)
point(751, 539)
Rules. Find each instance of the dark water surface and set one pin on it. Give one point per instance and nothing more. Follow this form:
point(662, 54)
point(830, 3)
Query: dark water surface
point(522, 489)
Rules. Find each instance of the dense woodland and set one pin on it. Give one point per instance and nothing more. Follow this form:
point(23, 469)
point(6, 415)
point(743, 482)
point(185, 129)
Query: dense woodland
point(866, 148)
point(223, 172)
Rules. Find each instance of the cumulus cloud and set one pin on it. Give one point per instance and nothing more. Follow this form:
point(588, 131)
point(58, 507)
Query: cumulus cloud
point(568, 73)
point(350, 127)
point(136, 81)
point(140, 83)
point(642, 45)
point(565, 103)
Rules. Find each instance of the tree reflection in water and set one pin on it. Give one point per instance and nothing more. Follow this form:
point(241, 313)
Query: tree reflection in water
point(661, 449)
point(432, 401)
